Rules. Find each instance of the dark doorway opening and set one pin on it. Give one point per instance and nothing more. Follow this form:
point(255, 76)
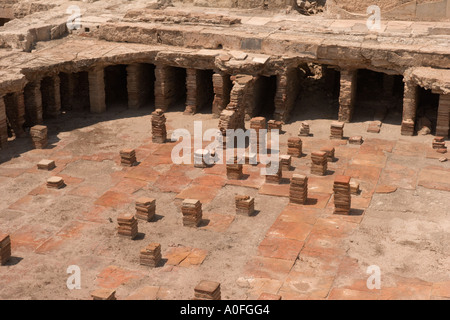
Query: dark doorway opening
point(264, 96)
point(427, 108)
point(116, 86)
point(205, 91)
point(379, 96)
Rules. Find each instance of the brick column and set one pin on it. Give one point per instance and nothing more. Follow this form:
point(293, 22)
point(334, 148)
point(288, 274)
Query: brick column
point(222, 89)
point(410, 102)
point(347, 95)
point(3, 125)
point(192, 92)
point(33, 102)
point(97, 90)
point(52, 96)
point(163, 87)
point(135, 86)
point(443, 117)
point(19, 105)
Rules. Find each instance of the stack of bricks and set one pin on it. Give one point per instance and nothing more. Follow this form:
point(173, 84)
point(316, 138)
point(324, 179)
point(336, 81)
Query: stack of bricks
point(251, 158)
point(439, 144)
point(47, 165)
point(286, 162)
point(358, 140)
point(354, 188)
point(39, 136)
point(128, 157)
point(374, 127)
point(150, 256)
point(257, 124)
point(234, 169)
point(342, 195)
point(159, 133)
point(5, 248)
point(295, 147)
point(192, 212)
point(319, 163)
point(304, 130)
point(245, 205)
point(407, 127)
point(337, 130)
point(104, 294)
point(200, 158)
point(274, 125)
point(330, 151)
point(145, 209)
point(55, 183)
point(128, 225)
point(298, 191)
point(272, 175)
point(207, 290)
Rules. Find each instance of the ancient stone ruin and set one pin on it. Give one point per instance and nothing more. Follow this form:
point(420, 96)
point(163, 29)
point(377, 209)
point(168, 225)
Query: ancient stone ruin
point(107, 164)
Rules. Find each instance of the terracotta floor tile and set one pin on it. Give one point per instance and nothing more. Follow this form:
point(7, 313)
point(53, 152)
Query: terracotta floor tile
point(203, 193)
point(112, 277)
point(195, 258)
point(279, 190)
point(434, 178)
point(218, 222)
point(176, 255)
point(129, 186)
point(348, 294)
point(114, 199)
point(441, 289)
point(30, 236)
point(308, 285)
point(300, 213)
point(290, 230)
point(72, 230)
point(286, 249)
point(261, 267)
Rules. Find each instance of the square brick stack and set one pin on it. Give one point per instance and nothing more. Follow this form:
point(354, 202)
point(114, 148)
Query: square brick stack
point(5, 248)
point(234, 170)
point(128, 225)
point(200, 158)
point(257, 124)
point(103, 294)
point(354, 188)
point(295, 147)
point(443, 115)
point(298, 191)
point(319, 163)
point(330, 151)
point(304, 130)
point(159, 131)
point(145, 209)
point(286, 162)
point(192, 212)
point(374, 127)
point(245, 205)
point(48, 165)
point(407, 128)
point(39, 136)
point(342, 195)
point(128, 157)
point(55, 183)
point(337, 130)
point(274, 125)
point(273, 177)
point(151, 255)
point(439, 143)
point(358, 140)
point(207, 290)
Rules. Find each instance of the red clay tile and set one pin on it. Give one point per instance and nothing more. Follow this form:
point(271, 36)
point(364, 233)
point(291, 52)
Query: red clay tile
point(112, 277)
point(286, 249)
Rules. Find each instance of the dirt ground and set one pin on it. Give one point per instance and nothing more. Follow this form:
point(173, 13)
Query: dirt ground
point(399, 222)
